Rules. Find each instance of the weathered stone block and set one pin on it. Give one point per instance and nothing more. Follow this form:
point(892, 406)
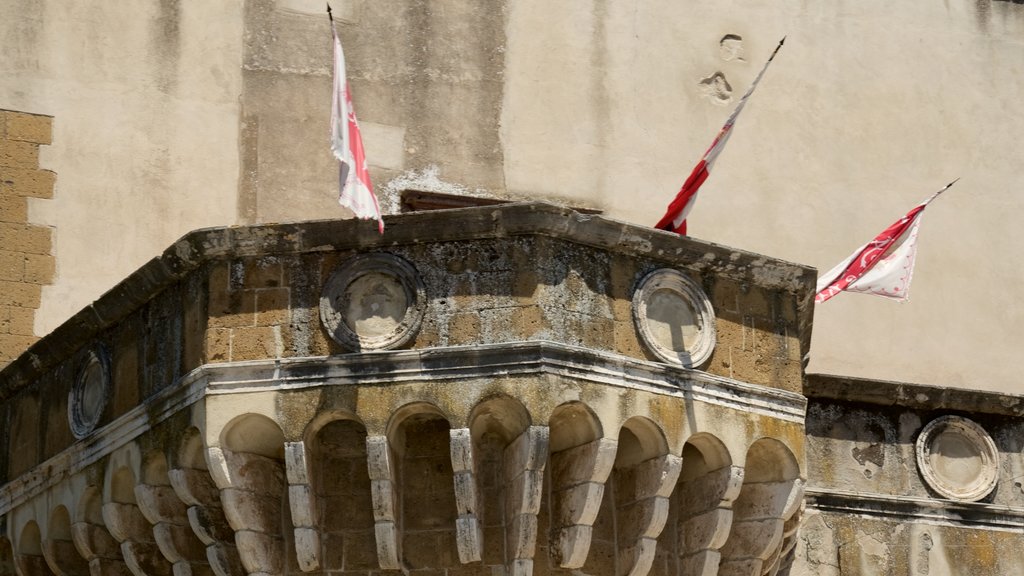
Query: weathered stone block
point(16, 154)
point(39, 268)
point(255, 342)
point(264, 272)
point(273, 306)
point(19, 294)
point(577, 505)
point(259, 552)
point(13, 208)
point(21, 321)
point(360, 551)
point(246, 510)
point(160, 504)
point(708, 530)
point(28, 127)
point(27, 182)
point(26, 238)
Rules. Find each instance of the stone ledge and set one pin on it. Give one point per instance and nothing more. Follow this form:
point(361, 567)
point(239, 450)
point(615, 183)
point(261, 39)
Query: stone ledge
point(904, 509)
point(913, 396)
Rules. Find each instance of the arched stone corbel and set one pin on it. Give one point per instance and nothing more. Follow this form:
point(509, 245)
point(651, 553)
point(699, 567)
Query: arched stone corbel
point(578, 477)
point(252, 505)
point(168, 514)
point(759, 525)
point(643, 504)
point(129, 527)
point(196, 489)
point(93, 540)
point(705, 518)
point(302, 501)
point(384, 493)
point(523, 466)
point(125, 521)
point(59, 550)
point(468, 531)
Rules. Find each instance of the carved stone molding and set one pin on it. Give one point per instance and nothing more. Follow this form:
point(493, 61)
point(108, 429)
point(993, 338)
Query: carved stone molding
point(89, 394)
point(373, 302)
point(957, 458)
point(674, 318)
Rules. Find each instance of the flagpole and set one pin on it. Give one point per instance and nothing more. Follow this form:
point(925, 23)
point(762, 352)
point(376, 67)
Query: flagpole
point(674, 219)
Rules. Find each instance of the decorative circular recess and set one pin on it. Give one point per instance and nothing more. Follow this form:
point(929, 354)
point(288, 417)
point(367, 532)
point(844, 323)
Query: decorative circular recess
point(89, 394)
point(957, 458)
point(373, 302)
point(674, 318)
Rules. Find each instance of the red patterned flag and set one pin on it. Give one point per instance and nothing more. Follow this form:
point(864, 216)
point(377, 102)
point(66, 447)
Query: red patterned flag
point(883, 266)
point(674, 219)
point(347, 144)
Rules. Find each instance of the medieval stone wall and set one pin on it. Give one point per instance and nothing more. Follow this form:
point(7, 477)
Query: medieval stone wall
point(26, 260)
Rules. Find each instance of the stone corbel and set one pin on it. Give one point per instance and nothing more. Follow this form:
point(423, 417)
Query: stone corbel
point(171, 531)
point(196, 489)
point(578, 478)
point(100, 550)
point(468, 531)
point(759, 525)
point(642, 511)
point(523, 466)
point(384, 493)
point(705, 518)
point(252, 507)
point(129, 527)
point(63, 558)
point(302, 502)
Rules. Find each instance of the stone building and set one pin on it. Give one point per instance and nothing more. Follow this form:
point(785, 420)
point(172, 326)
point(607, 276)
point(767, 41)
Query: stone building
point(533, 391)
point(508, 388)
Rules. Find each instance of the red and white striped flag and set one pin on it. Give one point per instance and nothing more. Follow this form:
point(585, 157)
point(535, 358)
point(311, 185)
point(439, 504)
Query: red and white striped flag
point(674, 219)
point(884, 266)
point(356, 191)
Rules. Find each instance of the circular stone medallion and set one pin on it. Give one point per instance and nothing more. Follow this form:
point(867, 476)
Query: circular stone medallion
point(674, 318)
point(373, 302)
point(957, 458)
point(89, 394)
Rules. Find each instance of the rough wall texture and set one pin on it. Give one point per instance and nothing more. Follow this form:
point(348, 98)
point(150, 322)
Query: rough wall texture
point(494, 291)
point(26, 260)
point(871, 507)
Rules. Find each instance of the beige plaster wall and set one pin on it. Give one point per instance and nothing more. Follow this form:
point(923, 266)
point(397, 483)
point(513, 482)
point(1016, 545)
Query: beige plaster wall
point(144, 96)
point(870, 107)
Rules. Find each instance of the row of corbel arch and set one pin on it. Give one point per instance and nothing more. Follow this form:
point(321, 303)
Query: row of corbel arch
point(246, 499)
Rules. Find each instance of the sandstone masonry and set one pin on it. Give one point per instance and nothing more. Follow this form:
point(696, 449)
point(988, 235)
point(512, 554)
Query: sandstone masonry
point(26, 259)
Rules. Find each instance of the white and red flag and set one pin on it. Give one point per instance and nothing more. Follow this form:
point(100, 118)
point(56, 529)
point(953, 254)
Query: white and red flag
point(356, 192)
point(884, 266)
point(674, 219)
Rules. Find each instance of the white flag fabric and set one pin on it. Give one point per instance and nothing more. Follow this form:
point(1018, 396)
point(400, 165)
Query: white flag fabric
point(356, 191)
point(884, 266)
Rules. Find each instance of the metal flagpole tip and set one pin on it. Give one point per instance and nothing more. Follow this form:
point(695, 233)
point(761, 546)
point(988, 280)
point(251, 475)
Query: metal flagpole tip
point(329, 15)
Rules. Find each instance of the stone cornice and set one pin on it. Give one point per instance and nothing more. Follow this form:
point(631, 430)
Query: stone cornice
point(911, 509)
point(912, 396)
point(196, 248)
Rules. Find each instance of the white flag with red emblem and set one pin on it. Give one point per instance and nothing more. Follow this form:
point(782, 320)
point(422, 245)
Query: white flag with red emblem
point(674, 219)
point(884, 266)
point(356, 192)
